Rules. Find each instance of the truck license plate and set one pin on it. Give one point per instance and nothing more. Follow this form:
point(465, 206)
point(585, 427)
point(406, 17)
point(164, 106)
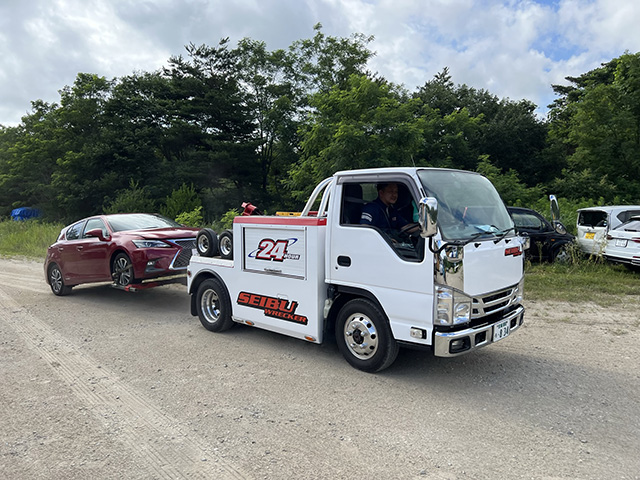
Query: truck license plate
point(500, 330)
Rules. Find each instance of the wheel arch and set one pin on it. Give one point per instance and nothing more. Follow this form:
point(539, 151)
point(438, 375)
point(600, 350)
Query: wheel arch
point(342, 295)
point(50, 265)
point(197, 281)
point(115, 253)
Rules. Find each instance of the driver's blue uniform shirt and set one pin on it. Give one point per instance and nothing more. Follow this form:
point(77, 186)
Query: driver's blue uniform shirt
point(379, 215)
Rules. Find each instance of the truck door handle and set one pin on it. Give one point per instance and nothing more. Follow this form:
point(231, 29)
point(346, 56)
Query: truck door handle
point(344, 261)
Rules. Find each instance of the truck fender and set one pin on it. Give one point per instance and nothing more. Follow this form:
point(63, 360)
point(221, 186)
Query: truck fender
point(193, 290)
point(343, 294)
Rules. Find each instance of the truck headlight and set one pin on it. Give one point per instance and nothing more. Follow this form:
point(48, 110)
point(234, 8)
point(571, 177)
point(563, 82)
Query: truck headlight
point(520, 292)
point(452, 307)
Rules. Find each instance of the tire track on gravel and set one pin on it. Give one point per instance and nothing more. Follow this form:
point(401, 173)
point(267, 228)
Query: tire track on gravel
point(23, 282)
point(153, 435)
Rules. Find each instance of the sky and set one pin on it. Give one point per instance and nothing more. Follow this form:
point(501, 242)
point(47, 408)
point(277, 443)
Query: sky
point(514, 49)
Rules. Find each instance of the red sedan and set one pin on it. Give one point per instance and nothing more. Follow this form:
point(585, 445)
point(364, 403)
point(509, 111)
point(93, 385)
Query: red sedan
point(124, 248)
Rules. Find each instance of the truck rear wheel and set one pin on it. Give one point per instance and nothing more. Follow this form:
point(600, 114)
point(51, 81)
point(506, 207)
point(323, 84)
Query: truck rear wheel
point(207, 243)
point(364, 337)
point(214, 306)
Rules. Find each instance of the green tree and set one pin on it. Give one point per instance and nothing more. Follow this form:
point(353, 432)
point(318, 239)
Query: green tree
point(181, 200)
point(598, 120)
point(133, 199)
point(278, 86)
point(471, 123)
point(28, 155)
point(508, 185)
point(208, 135)
point(371, 123)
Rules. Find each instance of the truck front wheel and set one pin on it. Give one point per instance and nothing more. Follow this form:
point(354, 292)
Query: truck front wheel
point(214, 306)
point(364, 337)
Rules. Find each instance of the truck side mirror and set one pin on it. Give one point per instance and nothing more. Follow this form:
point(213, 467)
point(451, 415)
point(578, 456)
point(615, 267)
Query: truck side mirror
point(428, 219)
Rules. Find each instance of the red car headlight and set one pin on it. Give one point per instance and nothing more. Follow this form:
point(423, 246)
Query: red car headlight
point(150, 244)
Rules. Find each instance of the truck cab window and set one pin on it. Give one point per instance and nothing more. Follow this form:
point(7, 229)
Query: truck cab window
point(388, 207)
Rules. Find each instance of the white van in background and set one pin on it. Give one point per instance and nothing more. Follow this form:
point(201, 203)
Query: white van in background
point(594, 223)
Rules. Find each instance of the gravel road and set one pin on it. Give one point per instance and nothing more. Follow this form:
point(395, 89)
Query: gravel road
point(110, 385)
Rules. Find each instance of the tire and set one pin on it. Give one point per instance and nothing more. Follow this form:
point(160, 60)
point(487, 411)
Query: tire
point(214, 306)
point(225, 244)
point(360, 323)
point(207, 243)
point(122, 270)
point(56, 281)
point(561, 254)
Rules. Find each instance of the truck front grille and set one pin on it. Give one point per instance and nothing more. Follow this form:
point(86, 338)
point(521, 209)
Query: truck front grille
point(494, 302)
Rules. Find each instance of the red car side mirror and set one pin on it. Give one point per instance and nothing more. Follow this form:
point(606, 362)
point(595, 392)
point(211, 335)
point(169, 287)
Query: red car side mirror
point(96, 232)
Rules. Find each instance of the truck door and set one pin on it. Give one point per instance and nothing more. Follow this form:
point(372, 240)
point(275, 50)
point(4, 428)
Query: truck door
point(369, 249)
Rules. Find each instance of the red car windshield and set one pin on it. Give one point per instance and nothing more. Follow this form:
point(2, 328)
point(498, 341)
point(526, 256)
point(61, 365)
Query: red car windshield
point(139, 221)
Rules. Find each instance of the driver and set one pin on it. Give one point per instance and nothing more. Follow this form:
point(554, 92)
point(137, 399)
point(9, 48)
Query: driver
point(382, 213)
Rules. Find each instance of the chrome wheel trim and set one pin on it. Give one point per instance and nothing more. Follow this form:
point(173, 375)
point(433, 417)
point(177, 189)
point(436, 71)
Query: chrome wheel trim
point(210, 306)
point(361, 336)
point(202, 244)
point(55, 279)
point(226, 246)
point(122, 271)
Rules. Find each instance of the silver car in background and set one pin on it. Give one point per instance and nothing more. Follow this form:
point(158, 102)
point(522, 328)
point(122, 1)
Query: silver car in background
point(623, 243)
point(594, 223)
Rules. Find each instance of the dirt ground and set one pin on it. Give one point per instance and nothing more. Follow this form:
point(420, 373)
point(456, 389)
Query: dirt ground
point(107, 384)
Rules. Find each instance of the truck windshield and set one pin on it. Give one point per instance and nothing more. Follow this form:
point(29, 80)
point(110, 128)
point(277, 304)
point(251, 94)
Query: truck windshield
point(468, 205)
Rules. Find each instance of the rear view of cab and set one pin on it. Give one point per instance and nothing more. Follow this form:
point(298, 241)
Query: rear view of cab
point(595, 222)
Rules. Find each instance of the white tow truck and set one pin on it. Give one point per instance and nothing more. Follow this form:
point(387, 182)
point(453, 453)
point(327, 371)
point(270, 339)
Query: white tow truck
point(455, 286)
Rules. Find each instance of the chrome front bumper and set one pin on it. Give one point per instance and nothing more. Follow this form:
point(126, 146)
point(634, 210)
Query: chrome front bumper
point(473, 338)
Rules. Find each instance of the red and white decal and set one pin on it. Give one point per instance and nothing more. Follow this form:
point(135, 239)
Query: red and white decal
point(515, 251)
point(272, 306)
point(275, 250)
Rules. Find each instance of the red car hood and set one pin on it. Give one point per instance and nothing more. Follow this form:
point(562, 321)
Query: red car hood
point(163, 233)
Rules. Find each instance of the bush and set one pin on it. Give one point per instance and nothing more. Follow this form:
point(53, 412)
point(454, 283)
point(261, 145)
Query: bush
point(192, 218)
point(184, 200)
point(132, 200)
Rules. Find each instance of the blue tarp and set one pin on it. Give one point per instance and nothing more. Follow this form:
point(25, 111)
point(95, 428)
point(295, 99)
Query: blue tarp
point(24, 213)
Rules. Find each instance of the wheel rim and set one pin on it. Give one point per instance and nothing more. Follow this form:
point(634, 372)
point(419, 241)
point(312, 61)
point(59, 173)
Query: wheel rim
point(562, 256)
point(55, 278)
point(122, 271)
point(361, 336)
point(203, 244)
point(225, 246)
point(210, 306)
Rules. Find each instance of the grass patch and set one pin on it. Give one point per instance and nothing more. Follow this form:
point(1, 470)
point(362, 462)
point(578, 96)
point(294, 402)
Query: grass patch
point(577, 281)
point(584, 280)
point(28, 239)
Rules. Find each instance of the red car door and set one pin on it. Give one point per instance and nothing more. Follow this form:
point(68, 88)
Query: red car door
point(68, 252)
point(91, 262)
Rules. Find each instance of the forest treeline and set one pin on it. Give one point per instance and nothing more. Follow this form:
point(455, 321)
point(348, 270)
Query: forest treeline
point(224, 124)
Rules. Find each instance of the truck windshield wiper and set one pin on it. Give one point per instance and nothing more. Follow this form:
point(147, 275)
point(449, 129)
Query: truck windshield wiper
point(503, 234)
point(460, 243)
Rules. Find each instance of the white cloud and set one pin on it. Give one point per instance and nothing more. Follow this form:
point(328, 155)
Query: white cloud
point(512, 48)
